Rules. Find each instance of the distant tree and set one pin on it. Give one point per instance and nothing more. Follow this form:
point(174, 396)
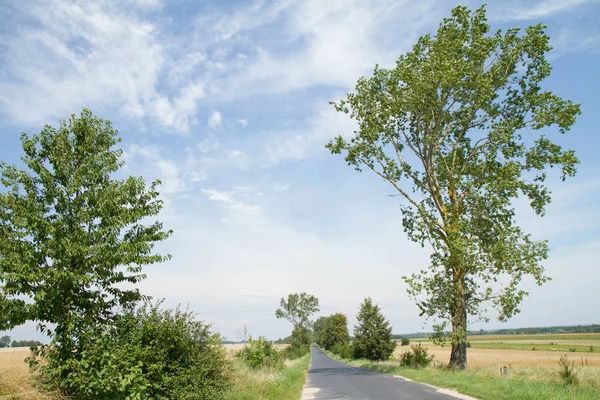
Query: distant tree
point(405, 341)
point(26, 343)
point(335, 331)
point(5, 341)
point(318, 330)
point(297, 309)
point(72, 236)
point(454, 128)
point(373, 333)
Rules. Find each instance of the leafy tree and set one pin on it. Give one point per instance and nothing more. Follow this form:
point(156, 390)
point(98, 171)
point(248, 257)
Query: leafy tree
point(71, 235)
point(373, 333)
point(318, 329)
point(5, 341)
point(335, 331)
point(455, 128)
point(297, 309)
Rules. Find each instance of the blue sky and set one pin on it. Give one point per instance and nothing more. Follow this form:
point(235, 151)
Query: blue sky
point(227, 103)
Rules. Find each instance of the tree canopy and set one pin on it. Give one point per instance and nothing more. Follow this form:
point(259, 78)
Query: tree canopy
point(73, 238)
point(460, 128)
point(297, 309)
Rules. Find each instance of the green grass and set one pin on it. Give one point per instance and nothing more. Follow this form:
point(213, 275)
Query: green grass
point(285, 384)
point(487, 386)
point(565, 348)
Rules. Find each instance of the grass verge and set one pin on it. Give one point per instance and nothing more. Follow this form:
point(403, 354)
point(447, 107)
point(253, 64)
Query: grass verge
point(484, 384)
point(285, 384)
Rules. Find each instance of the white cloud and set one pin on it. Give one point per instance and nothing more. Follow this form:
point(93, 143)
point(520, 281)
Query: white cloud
point(242, 122)
point(544, 8)
point(341, 40)
point(298, 144)
point(92, 54)
point(215, 119)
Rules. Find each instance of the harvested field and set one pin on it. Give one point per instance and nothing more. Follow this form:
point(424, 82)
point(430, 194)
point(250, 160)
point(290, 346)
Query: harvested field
point(552, 337)
point(15, 379)
point(501, 357)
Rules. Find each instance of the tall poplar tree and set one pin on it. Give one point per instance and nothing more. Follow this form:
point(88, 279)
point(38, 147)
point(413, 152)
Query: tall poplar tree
point(460, 128)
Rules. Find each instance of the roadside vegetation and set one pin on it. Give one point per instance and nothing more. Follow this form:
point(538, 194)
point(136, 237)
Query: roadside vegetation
point(486, 384)
point(285, 382)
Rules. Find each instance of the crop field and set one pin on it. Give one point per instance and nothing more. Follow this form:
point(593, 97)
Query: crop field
point(489, 353)
point(15, 378)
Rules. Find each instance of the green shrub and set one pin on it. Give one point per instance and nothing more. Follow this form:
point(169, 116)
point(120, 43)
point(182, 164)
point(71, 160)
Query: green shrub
point(344, 350)
point(567, 371)
point(417, 357)
point(260, 353)
point(404, 341)
point(146, 354)
point(292, 353)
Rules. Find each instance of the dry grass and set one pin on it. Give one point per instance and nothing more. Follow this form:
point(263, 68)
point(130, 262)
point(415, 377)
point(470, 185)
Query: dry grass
point(16, 382)
point(531, 365)
point(500, 357)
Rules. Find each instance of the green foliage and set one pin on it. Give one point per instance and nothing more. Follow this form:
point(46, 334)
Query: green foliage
point(567, 372)
point(344, 350)
point(416, 357)
point(250, 384)
point(294, 352)
point(297, 309)
point(404, 341)
point(5, 341)
point(373, 333)
point(457, 128)
point(145, 354)
point(331, 330)
point(260, 353)
point(71, 236)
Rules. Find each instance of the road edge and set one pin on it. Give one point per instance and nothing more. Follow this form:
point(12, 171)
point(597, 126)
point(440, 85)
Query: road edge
point(448, 392)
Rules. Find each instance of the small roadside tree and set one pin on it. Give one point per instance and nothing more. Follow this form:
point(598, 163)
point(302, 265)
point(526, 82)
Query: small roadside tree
point(454, 128)
point(71, 235)
point(297, 309)
point(373, 333)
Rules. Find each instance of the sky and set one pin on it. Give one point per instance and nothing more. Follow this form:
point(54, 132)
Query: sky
point(227, 103)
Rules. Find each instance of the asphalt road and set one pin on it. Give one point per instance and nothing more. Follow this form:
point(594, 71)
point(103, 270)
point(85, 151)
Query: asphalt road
point(329, 379)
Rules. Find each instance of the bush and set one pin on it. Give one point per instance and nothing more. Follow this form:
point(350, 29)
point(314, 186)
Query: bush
point(146, 354)
point(292, 353)
point(404, 341)
point(344, 350)
point(417, 357)
point(567, 372)
point(260, 353)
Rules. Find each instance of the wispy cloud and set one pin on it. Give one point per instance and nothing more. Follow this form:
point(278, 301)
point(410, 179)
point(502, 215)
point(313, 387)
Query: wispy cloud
point(544, 8)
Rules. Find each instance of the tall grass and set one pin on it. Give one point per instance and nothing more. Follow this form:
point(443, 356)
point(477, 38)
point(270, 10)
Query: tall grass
point(523, 383)
point(268, 384)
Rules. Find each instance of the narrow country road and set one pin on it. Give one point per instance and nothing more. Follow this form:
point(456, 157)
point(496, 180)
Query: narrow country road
point(329, 379)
